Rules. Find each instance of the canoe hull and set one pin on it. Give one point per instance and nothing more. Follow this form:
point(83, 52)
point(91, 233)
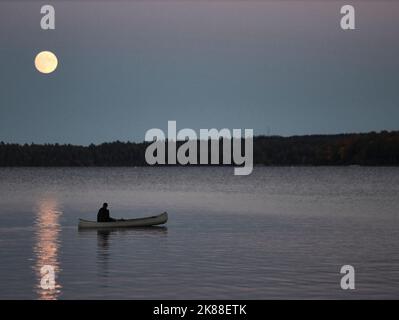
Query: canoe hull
point(131, 223)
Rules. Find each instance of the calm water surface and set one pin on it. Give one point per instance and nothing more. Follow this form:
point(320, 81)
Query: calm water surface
point(279, 233)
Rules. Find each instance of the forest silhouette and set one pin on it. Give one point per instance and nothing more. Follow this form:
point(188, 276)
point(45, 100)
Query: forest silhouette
point(366, 149)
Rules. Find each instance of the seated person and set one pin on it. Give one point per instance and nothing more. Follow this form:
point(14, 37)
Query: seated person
point(103, 214)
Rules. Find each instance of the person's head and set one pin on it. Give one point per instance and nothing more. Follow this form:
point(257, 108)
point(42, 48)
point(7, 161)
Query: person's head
point(105, 205)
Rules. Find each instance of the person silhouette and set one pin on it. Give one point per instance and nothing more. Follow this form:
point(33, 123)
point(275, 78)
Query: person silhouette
point(103, 214)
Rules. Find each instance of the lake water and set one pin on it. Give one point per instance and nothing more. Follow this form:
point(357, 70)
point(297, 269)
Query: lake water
point(278, 233)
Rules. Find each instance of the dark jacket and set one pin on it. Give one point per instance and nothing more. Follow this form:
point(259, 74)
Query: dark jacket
point(103, 215)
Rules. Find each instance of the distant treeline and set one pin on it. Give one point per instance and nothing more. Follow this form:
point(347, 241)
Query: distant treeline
point(371, 149)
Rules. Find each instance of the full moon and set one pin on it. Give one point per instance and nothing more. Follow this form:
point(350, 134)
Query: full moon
point(46, 62)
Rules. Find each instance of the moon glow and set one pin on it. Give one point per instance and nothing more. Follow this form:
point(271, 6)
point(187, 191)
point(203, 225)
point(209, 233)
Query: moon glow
point(46, 62)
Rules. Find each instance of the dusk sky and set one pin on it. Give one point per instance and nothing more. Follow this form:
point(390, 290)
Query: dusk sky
point(281, 68)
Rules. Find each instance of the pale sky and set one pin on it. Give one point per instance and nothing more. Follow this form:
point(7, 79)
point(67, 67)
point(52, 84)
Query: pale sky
point(281, 68)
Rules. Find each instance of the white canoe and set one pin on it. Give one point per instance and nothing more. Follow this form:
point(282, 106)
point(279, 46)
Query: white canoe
point(130, 223)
